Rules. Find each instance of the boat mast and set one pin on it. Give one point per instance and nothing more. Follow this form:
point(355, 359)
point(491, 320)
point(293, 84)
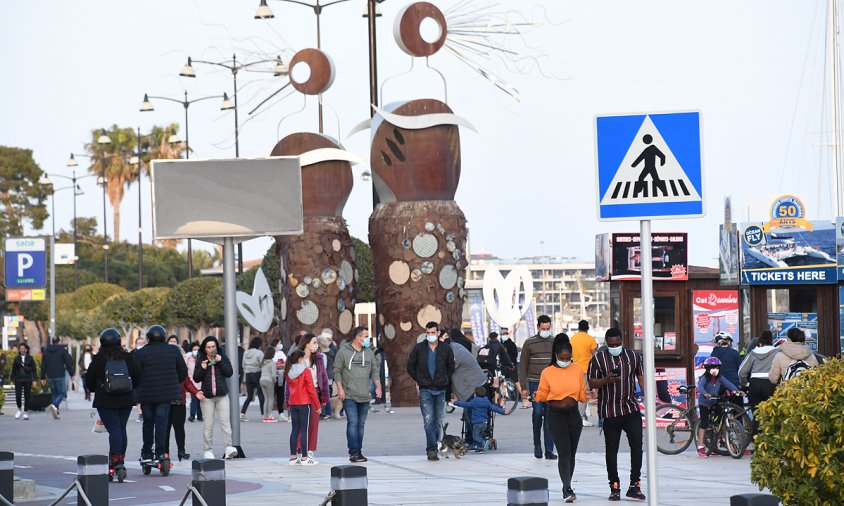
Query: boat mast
point(835, 91)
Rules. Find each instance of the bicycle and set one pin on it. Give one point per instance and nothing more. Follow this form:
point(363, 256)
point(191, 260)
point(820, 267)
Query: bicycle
point(677, 427)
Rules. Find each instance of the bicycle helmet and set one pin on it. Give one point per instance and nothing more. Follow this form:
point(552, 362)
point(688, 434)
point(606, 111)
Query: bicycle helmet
point(156, 333)
point(109, 336)
point(712, 362)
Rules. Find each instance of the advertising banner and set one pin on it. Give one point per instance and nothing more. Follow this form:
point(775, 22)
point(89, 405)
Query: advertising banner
point(476, 319)
point(841, 316)
point(779, 323)
point(668, 381)
point(839, 245)
point(715, 311)
point(728, 258)
point(670, 256)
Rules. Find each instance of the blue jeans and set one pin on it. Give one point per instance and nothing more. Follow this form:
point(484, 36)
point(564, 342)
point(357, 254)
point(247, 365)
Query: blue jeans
point(156, 417)
point(356, 413)
point(479, 441)
point(300, 419)
point(115, 423)
point(58, 390)
point(540, 421)
point(195, 408)
point(432, 404)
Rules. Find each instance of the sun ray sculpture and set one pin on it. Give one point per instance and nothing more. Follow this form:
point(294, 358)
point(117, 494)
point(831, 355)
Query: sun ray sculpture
point(319, 273)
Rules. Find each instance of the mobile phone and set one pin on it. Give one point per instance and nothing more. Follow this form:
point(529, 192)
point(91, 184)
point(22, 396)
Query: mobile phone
point(617, 371)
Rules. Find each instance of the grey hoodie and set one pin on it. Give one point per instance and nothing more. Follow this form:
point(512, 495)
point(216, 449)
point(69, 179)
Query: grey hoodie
point(252, 360)
point(757, 363)
point(355, 370)
point(790, 351)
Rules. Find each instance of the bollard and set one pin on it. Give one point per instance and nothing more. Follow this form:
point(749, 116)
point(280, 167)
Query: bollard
point(754, 500)
point(209, 479)
point(7, 476)
point(527, 490)
point(92, 473)
point(349, 485)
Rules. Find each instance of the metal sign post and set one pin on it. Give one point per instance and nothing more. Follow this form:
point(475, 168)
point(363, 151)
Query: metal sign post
point(232, 340)
point(649, 387)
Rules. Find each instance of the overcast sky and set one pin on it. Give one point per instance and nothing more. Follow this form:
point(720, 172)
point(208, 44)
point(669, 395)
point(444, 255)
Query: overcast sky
point(755, 69)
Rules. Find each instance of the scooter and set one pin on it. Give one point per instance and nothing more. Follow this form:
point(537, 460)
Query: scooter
point(162, 463)
point(116, 468)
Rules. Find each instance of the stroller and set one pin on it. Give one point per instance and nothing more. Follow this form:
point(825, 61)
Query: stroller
point(489, 441)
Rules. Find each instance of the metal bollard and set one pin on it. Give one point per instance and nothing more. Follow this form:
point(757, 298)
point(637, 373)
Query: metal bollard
point(7, 476)
point(527, 490)
point(92, 473)
point(754, 500)
point(349, 484)
point(209, 479)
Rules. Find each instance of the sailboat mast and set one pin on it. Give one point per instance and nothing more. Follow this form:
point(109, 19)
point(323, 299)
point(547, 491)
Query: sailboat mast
point(835, 91)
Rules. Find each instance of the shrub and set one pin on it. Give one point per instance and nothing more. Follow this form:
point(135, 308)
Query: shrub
point(11, 355)
point(800, 447)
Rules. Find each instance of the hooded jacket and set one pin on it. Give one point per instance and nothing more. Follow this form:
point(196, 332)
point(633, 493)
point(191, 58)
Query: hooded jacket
point(790, 351)
point(55, 361)
point(757, 363)
point(253, 358)
point(300, 384)
point(467, 373)
point(355, 369)
point(321, 377)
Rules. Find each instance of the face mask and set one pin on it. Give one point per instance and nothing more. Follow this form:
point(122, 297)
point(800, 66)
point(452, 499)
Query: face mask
point(194, 352)
point(545, 334)
point(615, 351)
point(366, 342)
point(505, 337)
point(563, 364)
point(431, 339)
point(713, 372)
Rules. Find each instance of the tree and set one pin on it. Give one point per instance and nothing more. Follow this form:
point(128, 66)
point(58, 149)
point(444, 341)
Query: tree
point(138, 309)
point(366, 271)
point(22, 196)
point(196, 303)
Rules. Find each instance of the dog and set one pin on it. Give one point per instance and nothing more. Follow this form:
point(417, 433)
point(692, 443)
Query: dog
point(454, 444)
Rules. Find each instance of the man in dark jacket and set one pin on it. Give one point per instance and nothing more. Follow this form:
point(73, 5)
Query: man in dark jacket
point(431, 366)
point(162, 371)
point(55, 363)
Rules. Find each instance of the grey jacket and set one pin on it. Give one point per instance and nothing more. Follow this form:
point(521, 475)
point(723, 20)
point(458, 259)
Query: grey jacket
point(467, 373)
point(757, 363)
point(253, 359)
point(787, 352)
point(355, 370)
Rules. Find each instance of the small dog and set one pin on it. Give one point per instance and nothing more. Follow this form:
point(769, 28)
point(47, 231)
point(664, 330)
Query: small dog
point(451, 443)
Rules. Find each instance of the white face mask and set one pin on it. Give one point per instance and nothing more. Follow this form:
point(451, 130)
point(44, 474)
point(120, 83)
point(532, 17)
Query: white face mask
point(713, 372)
point(194, 352)
point(545, 334)
point(431, 339)
point(615, 351)
point(505, 337)
point(563, 364)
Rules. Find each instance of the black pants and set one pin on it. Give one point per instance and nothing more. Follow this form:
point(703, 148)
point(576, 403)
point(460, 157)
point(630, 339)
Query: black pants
point(632, 426)
point(761, 389)
point(566, 426)
point(253, 383)
point(176, 421)
point(115, 423)
point(156, 417)
point(25, 388)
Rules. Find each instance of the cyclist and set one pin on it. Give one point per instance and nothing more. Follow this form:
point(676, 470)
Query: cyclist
point(493, 357)
point(708, 387)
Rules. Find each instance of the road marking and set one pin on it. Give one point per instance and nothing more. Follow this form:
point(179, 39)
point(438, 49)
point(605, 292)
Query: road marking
point(69, 472)
point(121, 498)
point(61, 457)
point(23, 467)
point(167, 488)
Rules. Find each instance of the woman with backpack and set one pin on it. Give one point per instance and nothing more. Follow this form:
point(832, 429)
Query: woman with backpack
point(24, 374)
point(113, 394)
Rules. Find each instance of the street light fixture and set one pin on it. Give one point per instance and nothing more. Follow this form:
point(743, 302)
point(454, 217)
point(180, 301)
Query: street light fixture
point(104, 140)
point(73, 163)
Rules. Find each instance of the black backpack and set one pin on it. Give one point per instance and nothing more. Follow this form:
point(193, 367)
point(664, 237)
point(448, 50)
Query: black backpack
point(794, 369)
point(117, 379)
point(485, 358)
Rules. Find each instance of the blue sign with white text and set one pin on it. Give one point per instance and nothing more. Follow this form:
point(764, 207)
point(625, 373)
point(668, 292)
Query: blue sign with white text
point(777, 256)
point(649, 166)
point(26, 265)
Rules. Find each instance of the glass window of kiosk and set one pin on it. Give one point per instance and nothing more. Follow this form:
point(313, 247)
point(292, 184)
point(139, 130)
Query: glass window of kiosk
point(794, 307)
point(665, 324)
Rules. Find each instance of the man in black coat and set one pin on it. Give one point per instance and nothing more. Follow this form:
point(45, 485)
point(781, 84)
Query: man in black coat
point(431, 366)
point(55, 362)
point(162, 371)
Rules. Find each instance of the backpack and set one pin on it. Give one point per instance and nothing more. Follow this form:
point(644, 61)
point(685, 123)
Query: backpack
point(794, 369)
point(485, 358)
point(117, 379)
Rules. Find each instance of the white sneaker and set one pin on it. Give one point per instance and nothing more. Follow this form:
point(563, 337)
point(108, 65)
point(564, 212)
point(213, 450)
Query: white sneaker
point(308, 461)
point(231, 452)
point(25, 415)
point(243, 417)
point(452, 405)
point(294, 461)
point(54, 412)
point(208, 455)
point(18, 414)
point(587, 423)
point(283, 418)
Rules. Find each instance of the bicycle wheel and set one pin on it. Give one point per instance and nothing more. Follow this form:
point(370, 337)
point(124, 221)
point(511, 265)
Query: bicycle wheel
point(742, 416)
point(734, 438)
point(509, 394)
point(674, 429)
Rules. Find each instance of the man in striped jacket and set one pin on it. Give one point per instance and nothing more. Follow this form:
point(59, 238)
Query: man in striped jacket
point(536, 355)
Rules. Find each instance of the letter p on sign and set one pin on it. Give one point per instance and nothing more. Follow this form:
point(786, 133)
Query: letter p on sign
point(25, 261)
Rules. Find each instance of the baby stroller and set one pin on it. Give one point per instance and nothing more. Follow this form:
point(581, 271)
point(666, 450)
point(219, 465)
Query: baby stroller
point(489, 442)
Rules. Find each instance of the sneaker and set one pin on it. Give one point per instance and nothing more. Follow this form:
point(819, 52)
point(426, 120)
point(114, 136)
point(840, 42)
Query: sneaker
point(353, 457)
point(18, 414)
point(208, 455)
point(191, 419)
point(243, 417)
point(587, 423)
point(433, 456)
point(479, 450)
point(231, 452)
point(701, 452)
point(283, 418)
point(54, 412)
point(309, 461)
point(635, 491)
point(361, 458)
point(269, 419)
point(25, 415)
point(294, 461)
point(615, 492)
point(537, 452)
point(311, 455)
point(569, 495)
point(550, 456)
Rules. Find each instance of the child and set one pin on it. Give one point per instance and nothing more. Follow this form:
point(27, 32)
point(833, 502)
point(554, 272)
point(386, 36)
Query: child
point(707, 387)
point(302, 400)
point(479, 407)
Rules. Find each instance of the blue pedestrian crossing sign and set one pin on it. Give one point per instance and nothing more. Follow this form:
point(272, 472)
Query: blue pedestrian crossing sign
point(650, 166)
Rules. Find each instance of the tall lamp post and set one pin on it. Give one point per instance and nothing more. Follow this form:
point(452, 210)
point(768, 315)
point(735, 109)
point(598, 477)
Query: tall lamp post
point(146, 106)
point(73, 163)
point(234, 67)
point(104, 140)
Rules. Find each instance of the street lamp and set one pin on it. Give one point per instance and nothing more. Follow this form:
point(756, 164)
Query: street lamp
point(146, 106)
point(104, 140)
point(73, 163)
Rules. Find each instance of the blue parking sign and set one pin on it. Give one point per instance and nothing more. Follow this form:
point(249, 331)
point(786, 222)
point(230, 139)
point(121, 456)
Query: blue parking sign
point(26, 265)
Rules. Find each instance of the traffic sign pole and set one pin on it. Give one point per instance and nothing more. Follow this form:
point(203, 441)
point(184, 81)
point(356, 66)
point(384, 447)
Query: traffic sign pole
point(52, 286)
point(648, 347)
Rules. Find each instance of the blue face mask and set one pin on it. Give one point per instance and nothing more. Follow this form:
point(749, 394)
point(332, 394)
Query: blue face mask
point(366, 341)
point(615, 351)
point(563, 364)
point(545, 334)
point(431, 339)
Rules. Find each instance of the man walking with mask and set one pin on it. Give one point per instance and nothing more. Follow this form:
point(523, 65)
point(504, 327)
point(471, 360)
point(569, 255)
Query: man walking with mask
point(614, 372)
point(354, 368)
point(536, 355)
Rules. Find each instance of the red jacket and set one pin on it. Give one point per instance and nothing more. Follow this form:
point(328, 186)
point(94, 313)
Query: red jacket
point(302, 390)
point(188, 386)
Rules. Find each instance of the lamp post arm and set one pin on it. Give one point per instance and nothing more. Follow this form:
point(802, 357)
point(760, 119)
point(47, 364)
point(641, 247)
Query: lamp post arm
point(334, 2)
point(201, 99)
point(167, 98)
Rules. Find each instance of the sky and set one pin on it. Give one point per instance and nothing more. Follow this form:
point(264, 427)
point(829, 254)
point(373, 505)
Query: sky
point(756, 70)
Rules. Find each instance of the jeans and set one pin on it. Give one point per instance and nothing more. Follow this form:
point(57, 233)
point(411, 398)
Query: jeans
point(115, 423)
point(253, 382)
point(566, 426)
point(632, 426)
point(356, 413)
point(177, 422)
point(23, 392)
point(58, 390)
point(432, 404)
point(300, 417)
point(195, 408)
point(478, 440)
point(216, 408)
point(156, 417)
point(540, 421)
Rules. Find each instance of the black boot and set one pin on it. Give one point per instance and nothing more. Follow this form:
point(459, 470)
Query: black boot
point(183, 455)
